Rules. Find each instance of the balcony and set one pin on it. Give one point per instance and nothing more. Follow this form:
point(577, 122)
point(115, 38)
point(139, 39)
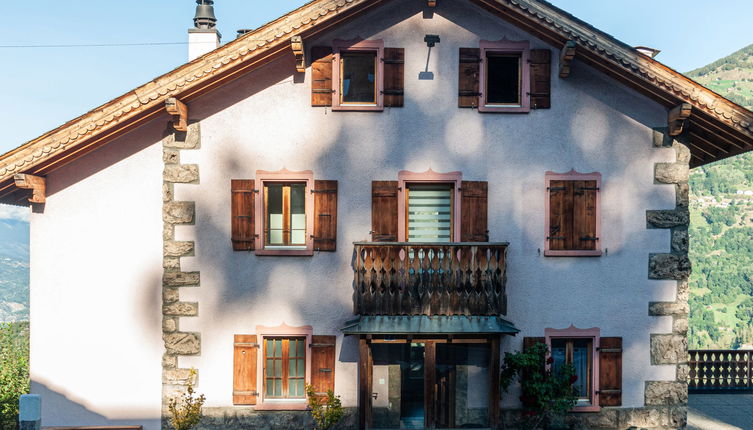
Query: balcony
point(401, 278)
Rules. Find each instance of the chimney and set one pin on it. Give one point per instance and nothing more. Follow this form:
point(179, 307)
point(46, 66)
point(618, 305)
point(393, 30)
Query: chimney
point(204, 37)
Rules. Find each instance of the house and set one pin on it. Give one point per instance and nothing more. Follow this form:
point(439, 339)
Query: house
point(378, 197)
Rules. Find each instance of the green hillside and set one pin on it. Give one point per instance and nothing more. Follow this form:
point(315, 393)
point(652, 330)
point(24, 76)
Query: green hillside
point(721, 226)
point(14, 270)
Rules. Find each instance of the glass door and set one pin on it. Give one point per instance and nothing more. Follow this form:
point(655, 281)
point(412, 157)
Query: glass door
point(462, 385)
point(397, 398)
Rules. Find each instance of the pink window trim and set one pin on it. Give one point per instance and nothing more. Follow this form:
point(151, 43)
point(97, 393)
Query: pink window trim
point(572, 175)
point(594, 334)
point(405, 177)
point(287, 331)
point(283, 175)
point(521, 47)
point(358, 45)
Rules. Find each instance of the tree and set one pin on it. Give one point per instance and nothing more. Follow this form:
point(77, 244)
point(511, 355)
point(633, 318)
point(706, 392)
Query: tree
point(14, 371)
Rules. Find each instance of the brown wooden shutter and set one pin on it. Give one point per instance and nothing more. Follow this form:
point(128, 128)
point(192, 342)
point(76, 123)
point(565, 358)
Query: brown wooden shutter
point(528, 342)
point(584, 215)
point(541, 78)
point(468, 77)
point(560, 234)
point(245, 349)
point(323, 363)
point(384, 211)
point(321, 76)
point(325, 215)
point(473, 211)
point(610, 371)
point(242, 211)
point(394, 76)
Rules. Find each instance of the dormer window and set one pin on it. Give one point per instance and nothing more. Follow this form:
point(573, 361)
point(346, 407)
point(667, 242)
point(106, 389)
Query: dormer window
point(358, 78)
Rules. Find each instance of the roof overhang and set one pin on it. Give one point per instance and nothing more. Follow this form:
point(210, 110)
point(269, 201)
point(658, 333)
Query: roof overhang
point(428, 325)
point(715, 129)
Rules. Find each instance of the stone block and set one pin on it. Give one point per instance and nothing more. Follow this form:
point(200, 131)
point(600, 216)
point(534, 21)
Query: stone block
point(678, 417)
point(667, 308)
point(170, 264)
point(682, 195)
point(169, 325)
point(167, 192)
point(178, 377)
point(169, 361)
point(181, 173)
point(180, 279)
point(668, 266)
point(682, 151)
point(168, 231)
point(683, 372)
point(680, 325)
point(170, 156)
point(683, 291)
point(181, 309)
point(671, 173)
point(178, 212)
point(680, 241)
point(190, 139)
point(667, 218)
point(182, 343)
point(669, 349)
point(173, 248)
point(668, 393)
point(604, 419)
point(170, 295)
point(643, 418)
point(662, 137)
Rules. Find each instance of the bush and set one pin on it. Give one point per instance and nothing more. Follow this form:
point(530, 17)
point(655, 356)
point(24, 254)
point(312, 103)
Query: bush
point(14, 371)
point(326, 411)
point(185, 411)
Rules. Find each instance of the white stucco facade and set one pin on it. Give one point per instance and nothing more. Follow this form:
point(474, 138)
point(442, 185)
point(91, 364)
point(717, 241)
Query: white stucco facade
point(97, 247)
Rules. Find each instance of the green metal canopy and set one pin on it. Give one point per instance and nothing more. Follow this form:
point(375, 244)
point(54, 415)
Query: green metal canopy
point(457, 324)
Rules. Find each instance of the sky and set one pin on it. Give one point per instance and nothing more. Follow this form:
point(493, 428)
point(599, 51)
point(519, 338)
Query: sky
point(42, 88)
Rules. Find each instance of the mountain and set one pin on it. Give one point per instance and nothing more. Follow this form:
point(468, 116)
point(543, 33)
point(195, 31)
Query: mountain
point(14, 270)
point(721, 225)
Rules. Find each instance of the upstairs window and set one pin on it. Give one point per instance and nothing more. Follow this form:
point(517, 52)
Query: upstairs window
point(285, 215)
point(358, 78)
point(573, 214)
point(284, 368)
point(429, 214)
point(503, 79)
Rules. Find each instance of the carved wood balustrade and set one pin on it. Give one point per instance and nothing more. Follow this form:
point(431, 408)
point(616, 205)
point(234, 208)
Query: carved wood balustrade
point(720, 369)
point(455, 278)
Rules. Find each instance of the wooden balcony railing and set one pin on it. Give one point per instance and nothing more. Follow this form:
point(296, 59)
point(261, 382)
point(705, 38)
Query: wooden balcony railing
point(720, 369)
point(401, 278)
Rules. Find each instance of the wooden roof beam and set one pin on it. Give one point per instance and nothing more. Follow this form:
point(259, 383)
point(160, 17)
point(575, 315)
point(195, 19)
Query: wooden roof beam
point(179, 111)
point(566, 57)
point(431, 3)
point(677, 116)
point(37, 185)
point(296, 43)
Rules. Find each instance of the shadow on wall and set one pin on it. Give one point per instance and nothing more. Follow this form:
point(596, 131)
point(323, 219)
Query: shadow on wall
point(56, 404)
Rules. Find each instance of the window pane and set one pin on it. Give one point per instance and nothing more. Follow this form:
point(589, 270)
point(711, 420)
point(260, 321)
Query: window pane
point(278, 347)
point(278, 368)
point(429, 213)
point(463, 385)
point(270, 387)
point(559, 353)
point(274, 214)
point(270, 367)
point(278, 387)
point(300, 348)
point(301, 367)
point(582, 366)
point(269, 348)
point(292, 369)
point(300, 388)
point(358, 77)
point(503, 79)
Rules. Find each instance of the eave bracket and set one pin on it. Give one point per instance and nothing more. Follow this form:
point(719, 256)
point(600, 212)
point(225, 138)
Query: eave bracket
point(37, 185)
point(566, 57)
point(179, 111)
point(296, 43)
point(431, 3)
point(677, 117)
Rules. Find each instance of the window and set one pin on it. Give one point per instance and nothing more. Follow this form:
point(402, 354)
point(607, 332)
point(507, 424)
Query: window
point(504, 76)
point(358, 75)
point(578, 347)
point(285, 213)
point(429, 210)
point(572, 222)
point(284, 367)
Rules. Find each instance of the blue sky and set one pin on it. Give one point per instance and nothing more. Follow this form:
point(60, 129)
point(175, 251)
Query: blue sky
point(42, 88)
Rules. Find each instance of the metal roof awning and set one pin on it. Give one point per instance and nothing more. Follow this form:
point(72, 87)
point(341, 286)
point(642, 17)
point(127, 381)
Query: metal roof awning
point(393, 325)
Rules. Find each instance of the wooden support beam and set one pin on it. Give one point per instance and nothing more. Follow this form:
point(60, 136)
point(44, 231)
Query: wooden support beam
point(566, 57)
point(296, 42)
point(179, 111)
point(677, 117)
point(431, 3)
point(37, 185)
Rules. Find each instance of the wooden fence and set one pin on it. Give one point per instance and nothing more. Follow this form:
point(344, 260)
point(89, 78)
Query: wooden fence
point(720, 369)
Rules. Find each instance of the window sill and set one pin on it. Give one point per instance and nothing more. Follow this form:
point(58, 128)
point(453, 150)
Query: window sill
point(573, 253)
point(284, 405)
point(503, 109)
point(358, 108)
point(586, 408)
point(283, 252)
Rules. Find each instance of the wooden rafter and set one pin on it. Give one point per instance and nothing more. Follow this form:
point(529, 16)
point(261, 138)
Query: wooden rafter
point(677, 116)
point(566, 57)
point(37, 185)
point(296, 43)
point(179, 111)
point(431, 3)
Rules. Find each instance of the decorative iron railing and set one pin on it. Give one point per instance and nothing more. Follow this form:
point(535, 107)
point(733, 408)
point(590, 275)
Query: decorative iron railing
point(455, 278)
point(720, 369)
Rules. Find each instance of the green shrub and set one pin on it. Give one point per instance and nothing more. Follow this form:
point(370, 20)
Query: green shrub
point(185, 411)
point(14, 371)
point(326, 411)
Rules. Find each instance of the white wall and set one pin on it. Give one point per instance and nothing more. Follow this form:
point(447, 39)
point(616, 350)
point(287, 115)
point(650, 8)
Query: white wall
point(264, 121)
point(96, 254)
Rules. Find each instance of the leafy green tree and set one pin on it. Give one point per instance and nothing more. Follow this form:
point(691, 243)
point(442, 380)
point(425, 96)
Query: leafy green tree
point(14, 371)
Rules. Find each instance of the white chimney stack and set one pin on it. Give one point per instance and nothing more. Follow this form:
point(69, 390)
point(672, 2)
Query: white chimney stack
point(204, 37)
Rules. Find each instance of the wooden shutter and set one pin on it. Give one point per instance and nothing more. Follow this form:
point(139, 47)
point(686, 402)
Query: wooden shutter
point(325, 215)
point(323, 363)
point(610, 371)
point(242, 212)
point(394, 76)
point(245, 349)
point(321, 76)
point(528, 342)
point(560, 234)
point(473, 212)
point(541, 78)
point(468, 77)
point(584, 215)
point(384, 211)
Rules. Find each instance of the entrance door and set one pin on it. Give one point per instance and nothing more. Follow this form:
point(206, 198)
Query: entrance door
point(462, 385)
point(397, 398)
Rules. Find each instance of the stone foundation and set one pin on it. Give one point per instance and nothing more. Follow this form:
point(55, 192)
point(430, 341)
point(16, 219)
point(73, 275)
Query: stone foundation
point(242, 418)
